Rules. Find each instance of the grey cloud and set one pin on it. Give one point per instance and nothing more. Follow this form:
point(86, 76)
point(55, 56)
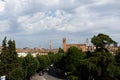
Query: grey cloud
point(45, 19)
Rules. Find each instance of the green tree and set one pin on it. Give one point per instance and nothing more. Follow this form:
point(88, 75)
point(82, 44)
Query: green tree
point(60, 50)
point(101, 41)
point(87, 69)
point(117, 56)
point(4, 52)
point(8, 57)
point(73, 57)
point(58, 59)
point(104, 61)
point(51, 57)
point(30, 65)
point(17, 74)
point(43, 62)
point(13, 57)
point(4, 45)
point(97, 65)
point(100, 64)
point(3, 55)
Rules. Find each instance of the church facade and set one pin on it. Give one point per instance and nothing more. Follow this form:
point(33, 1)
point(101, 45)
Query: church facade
point(66, 46)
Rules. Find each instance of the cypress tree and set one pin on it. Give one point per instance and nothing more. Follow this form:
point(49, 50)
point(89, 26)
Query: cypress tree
point(8, 57)
point(3, 57)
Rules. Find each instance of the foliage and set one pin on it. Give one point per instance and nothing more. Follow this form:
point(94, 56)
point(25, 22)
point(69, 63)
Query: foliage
point(71, 77)
point(60, 50)
point(20, 61)
point(117, 56)
point(73, 56)
point(17, 74)
point(97, 65)
point(51, 57)
point(8, 57)
point(30, 65)
point(101, 41)
point(100, 64)
point(71, 61)
point(43, 61)
point(60, 61)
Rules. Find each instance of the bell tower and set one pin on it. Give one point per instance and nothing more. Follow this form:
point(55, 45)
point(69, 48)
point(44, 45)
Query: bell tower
point(64, 44)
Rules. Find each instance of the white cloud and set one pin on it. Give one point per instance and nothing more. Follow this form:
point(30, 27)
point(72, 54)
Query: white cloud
point(104, 2)
point(82, 17)
point(43, 21)
point(34, 16)
point(49, 3)
point(4, 26)
point(2, 6)
point(13, 7)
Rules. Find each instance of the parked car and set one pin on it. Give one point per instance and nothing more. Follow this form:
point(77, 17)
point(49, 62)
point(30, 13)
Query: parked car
point(41, 73)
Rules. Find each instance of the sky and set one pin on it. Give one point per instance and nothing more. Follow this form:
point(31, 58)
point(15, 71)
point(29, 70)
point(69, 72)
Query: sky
point(34, 23)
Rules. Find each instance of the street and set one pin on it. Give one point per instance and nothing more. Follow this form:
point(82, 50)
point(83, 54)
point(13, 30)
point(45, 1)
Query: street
point(52, 74)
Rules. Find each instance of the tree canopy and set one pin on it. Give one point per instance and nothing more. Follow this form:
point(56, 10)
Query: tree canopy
point(97, 65)
point(78, 65)
point(8, 57)
point(102, 40)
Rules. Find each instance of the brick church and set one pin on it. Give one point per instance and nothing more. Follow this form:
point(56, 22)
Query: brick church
point(83, 47)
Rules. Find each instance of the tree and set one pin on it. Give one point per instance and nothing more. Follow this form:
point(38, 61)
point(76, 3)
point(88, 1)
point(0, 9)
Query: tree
point(17, 74)
point(58, 59)
point(8, 57)
point(97, 65)
point(3, 58)
point(101, 41)
point(30, 65)
point(72, 60)
point(43, 62)
point(106, 64)
point(13, 57)
point(117, 56)
point(4, 52)
point(86, 70)
point(104, 61)
point(60, 50)
point(51, 57)
point(4, 45)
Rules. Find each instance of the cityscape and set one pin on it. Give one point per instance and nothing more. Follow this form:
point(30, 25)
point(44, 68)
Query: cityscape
point(22, 52)
point(52, 67)
point(59, 40)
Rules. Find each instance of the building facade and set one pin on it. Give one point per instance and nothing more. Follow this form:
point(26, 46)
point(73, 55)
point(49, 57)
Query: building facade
point(66, 46)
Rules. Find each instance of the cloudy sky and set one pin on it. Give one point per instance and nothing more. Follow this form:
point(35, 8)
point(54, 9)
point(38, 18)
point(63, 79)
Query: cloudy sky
point(33, 23)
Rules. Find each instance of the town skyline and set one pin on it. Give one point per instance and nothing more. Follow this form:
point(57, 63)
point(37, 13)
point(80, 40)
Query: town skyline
point(33, 23)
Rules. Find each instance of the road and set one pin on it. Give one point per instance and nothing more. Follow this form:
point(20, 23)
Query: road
point(52, 74)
